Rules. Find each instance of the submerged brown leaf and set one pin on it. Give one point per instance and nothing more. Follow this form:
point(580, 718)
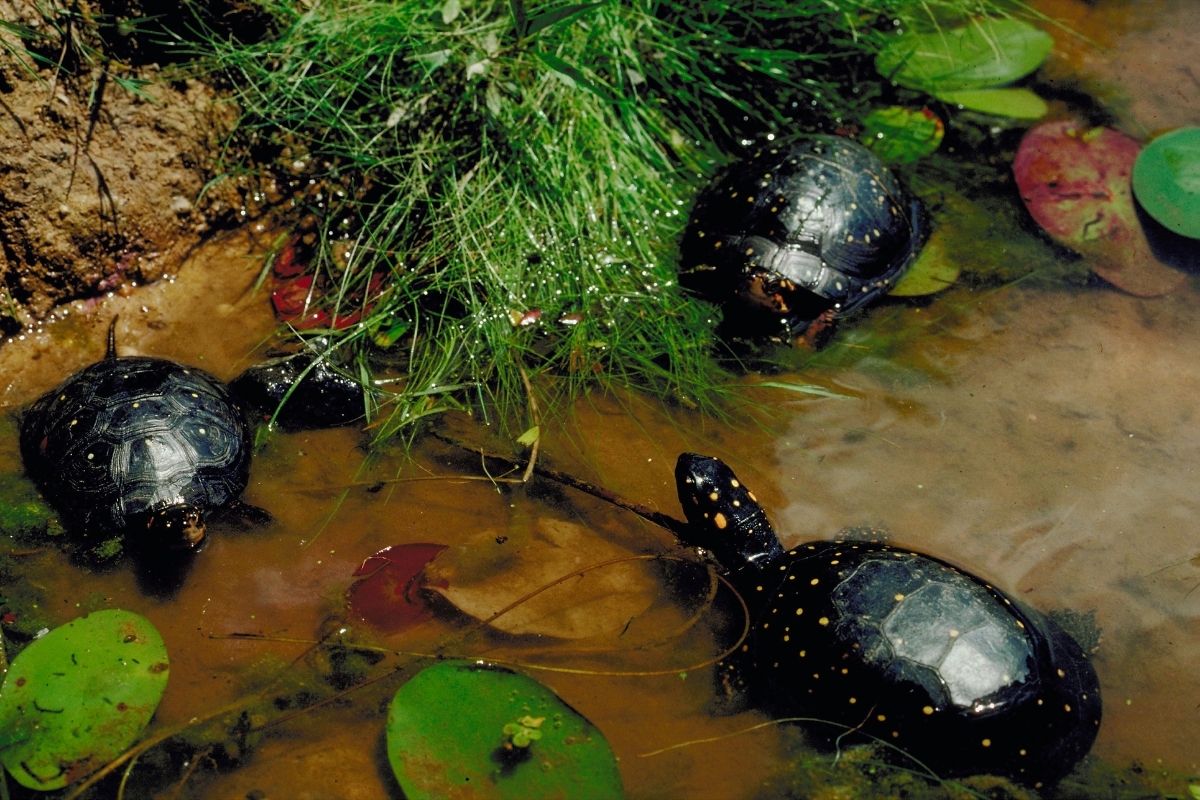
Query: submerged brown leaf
point(491, 572)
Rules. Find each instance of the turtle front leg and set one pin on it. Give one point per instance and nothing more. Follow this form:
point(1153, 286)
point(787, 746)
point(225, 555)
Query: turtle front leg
point(818, 332)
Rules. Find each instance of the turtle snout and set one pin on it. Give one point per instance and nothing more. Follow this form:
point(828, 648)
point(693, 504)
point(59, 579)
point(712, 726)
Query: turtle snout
point(176, 528)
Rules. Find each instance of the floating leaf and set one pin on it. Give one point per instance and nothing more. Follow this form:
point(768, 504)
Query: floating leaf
point(530, 437)
point(982, 55)
point(490, 572)
point(468, 730)
point(902, 135)
point(1015, 103)
point(1166, 181)
point(79, 696)
point(933, 271)
point(1075, 181)
point(388, 595)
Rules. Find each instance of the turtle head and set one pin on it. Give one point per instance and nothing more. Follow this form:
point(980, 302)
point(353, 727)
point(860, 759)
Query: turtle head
point(723, 515)
point(177, 528)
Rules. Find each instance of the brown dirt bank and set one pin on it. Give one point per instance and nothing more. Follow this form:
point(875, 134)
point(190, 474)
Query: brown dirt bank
point(102, 161)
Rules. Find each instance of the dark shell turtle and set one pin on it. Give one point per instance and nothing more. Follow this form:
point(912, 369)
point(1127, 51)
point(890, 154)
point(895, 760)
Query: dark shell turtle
point(895, 645)
point(302, 390)
point(135, 445)
point(799, 234)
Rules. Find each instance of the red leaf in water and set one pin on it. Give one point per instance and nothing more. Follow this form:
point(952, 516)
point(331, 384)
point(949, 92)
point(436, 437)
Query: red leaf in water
point(291, 299)
point(1075, 181)
point(287, 265)
point(387, 595)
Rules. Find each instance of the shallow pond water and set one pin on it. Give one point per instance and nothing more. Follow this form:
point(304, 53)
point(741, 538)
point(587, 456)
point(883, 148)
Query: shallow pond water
point(1045, 439)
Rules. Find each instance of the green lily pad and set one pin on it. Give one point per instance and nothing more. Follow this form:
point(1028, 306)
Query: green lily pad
point(468, 730)
point(1015, 103)
point(1166, 181)
point(79, 696)
point(932, 272)
point(985, 54)
point(902, 135)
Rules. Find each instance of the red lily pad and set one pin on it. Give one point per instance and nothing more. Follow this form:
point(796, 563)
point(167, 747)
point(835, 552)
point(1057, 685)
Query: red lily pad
point(388, 596)
point(1075, 181)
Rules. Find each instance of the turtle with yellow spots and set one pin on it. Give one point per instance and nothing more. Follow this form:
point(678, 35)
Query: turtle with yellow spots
point(885, 643)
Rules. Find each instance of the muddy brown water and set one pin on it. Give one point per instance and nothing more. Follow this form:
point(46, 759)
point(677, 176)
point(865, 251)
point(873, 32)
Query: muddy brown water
point(1055, 454)
point(1054, 450)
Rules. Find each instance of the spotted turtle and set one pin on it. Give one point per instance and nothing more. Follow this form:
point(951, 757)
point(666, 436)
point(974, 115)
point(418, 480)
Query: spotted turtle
point(795, 236)
point(301, 391)
point(896, 645)
point(140, 446)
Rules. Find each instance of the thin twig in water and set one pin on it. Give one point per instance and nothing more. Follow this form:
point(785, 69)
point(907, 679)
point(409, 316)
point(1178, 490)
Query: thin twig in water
point(675, 526)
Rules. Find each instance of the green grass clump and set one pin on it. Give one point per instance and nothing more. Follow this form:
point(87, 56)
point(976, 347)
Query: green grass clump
point(514, 177)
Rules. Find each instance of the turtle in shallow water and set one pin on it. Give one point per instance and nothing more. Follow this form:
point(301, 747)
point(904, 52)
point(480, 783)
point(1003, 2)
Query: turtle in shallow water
point(138, 446)
point(302, 390)
point(893, 644)
point(796, 236)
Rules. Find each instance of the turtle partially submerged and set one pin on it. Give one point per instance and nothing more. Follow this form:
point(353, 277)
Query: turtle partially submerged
point(796, 236)
point(138, 446)
point(895, 645)
point(302, 390)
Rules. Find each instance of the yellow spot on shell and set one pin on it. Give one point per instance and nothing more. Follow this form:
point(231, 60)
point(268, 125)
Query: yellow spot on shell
point(714, 497)
point(899, 596)
point(799, 611)
point(881, 717)
point(720, 521)
point(751, 496)
point(734, 482)
point(814, 581)
point(823, 621)
point(853, 700)
point(986, 743)
point(927, 710)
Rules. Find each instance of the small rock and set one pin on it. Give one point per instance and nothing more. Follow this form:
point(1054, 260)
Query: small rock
point(181, 205)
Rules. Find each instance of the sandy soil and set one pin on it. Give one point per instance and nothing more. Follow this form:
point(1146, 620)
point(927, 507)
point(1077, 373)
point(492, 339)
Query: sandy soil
point(99, 185)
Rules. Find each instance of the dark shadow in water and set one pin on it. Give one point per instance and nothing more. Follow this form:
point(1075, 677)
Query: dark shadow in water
point(1169, 247)
point(394, 792)
point(162, 571)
